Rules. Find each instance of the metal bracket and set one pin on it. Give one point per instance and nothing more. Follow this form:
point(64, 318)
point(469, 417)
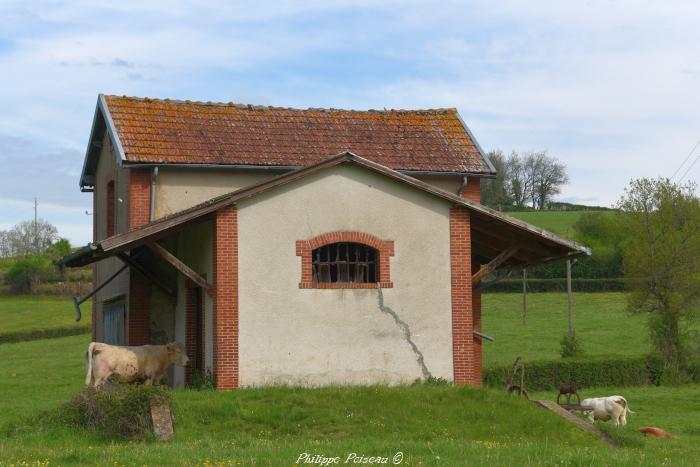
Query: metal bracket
point(78, 301)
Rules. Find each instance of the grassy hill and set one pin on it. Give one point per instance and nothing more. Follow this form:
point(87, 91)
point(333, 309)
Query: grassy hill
point(560, 222)
point(601, 322)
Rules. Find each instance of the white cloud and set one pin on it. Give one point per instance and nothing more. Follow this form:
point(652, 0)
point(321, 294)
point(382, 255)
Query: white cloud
point(609, 87)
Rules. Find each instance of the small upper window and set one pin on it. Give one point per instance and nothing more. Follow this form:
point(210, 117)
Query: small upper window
point(345, 262)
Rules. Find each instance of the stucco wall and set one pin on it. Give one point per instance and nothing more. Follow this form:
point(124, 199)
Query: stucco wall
point(343, 336)
point(178, 189)
point(447, 183)
point(107, 170)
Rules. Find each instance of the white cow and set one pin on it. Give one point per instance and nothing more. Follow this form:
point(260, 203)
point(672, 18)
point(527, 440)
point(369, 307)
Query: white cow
point(606, 408)
point(146, 363)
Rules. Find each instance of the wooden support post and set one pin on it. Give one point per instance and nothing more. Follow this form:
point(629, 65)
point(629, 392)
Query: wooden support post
point(525, 296)
point(490, 267)
point(180, 266)
point(570, 298)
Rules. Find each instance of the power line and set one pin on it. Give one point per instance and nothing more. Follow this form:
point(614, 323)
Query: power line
point(686, 159)
point(689, 168)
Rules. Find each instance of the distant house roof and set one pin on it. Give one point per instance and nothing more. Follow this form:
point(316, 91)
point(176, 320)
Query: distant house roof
point(154, 131)
point(492, 231)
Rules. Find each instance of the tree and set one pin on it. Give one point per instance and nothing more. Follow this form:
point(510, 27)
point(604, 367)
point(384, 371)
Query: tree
point(516, 180)
point(27, 272)
point(6, 250)
point(31, 237)
point(661, 258)
point(57, 251)
point(549, 177)
point(493, 190)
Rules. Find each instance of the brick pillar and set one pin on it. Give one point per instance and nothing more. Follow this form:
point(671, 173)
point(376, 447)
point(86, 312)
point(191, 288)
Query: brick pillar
point(138, 314)
point(473, 190)
point(476, 310)
point(226, 298)
point(138, 323)
point(139, 197)
point(194, 301)
point(463, 357)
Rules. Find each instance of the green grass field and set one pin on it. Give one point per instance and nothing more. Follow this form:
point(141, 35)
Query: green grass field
point(601, 322)
point(27, 313)
point(430, 425)
point(560, 222)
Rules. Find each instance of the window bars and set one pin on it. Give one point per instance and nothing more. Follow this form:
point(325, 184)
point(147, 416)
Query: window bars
point(345, 262)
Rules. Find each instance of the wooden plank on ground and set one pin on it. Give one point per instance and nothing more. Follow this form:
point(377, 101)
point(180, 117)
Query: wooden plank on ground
point(583, 425)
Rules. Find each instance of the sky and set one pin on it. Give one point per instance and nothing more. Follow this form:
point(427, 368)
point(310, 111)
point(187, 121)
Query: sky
point(610, 88)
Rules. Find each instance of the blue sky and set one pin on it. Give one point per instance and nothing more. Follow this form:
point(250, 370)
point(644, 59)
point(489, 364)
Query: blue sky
point(610, 88)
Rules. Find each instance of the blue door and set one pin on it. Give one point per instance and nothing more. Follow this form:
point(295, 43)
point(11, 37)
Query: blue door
point(114, 314)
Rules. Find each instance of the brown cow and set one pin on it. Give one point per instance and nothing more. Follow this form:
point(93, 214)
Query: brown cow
point(654, 431)
point(146, 363)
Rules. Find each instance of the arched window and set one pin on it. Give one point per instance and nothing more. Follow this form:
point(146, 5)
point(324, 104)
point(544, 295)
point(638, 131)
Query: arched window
point(345, 262)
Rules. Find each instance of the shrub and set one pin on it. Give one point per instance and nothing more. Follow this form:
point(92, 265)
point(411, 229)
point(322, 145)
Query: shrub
point(546, 375)
point(203, 381)
point(121, 411)
point(25, 273)
point(570, 347)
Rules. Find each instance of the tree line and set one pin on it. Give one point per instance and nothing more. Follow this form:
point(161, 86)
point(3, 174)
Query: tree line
point(528, 180)
point(31, 249)
point(27, 238)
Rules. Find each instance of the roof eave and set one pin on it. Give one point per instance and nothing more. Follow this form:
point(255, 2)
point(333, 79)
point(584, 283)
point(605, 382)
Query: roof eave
point(478, 146)
point(288, 168)
point(101, 118)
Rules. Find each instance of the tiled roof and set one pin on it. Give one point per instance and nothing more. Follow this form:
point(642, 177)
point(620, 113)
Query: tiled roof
point(184, 132)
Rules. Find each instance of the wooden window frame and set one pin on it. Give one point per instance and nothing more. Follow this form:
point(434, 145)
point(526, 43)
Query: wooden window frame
point(384, 248)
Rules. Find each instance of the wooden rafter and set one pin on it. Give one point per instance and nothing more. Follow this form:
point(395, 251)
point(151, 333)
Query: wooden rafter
point(134, 264)
point(493, 248)
point(528, 244)
point(497, 261)
point(175, 262)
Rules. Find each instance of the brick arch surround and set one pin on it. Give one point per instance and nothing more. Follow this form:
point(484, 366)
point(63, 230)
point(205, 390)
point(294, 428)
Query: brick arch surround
point(384, 247)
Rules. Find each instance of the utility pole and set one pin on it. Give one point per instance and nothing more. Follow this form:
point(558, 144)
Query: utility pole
point(525, 296)
point(569, 298)
point(36, 226)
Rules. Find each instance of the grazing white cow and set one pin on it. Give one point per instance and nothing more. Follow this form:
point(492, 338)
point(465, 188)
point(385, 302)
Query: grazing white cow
point(606, 408)
point(146, 363)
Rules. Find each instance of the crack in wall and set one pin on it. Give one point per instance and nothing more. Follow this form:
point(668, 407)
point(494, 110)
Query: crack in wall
point(406, 332)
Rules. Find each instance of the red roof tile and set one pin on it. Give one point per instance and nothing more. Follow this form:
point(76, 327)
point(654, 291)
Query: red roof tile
point(184, 132)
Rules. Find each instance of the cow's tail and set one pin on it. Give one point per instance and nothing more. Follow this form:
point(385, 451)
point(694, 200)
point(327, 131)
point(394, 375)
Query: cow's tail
point(623, 402)
point(88, 363)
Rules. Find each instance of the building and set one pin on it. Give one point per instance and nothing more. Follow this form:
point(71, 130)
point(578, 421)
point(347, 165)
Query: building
point(303, 247)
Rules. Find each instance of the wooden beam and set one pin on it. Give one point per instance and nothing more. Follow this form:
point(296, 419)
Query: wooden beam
point(493, 248)
point(527, 243)
point(175, 262)
point(497, 261)
point(146, 273)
